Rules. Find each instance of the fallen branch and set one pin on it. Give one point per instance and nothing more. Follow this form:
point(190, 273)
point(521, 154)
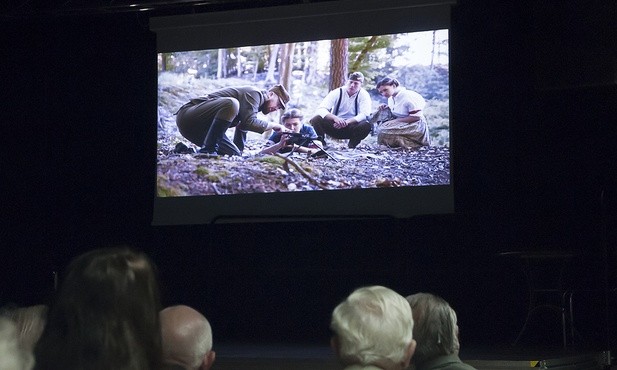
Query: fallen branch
point(301, 170)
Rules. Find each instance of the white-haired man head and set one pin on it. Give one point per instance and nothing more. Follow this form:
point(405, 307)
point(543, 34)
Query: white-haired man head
point(373, 330)
point(186, 339)
point(436, 330)
point(12, 355)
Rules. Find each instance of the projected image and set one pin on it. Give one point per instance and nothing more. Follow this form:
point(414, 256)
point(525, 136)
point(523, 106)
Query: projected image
point(355, 113)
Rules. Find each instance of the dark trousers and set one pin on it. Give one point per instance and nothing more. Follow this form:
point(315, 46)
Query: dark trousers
point(195, 120)
point(355, 132)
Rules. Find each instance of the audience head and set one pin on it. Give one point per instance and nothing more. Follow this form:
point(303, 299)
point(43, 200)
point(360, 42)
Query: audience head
point(187, 338)
point(105, 315)
point(435, 327)
point(12, 355)
point(29, 322)
point(373, 326)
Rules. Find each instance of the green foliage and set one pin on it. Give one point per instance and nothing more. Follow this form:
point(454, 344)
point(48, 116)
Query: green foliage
point(201, 171)
point(215, 176)
point(430, 83)
point(437, 113)
point(271, 159)
point(364, 55)
point(164, 189)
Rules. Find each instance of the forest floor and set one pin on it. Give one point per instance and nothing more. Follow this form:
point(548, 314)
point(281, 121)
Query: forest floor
point(366, 166)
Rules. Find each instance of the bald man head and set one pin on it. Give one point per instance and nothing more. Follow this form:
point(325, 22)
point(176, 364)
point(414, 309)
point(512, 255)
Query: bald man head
point(187, 338)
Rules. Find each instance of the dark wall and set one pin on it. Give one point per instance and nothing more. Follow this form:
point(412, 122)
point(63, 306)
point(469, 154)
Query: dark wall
point(534, 167)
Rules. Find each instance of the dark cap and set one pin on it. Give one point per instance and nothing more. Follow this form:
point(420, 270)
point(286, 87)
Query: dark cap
point(282, 94)
point(356, 76)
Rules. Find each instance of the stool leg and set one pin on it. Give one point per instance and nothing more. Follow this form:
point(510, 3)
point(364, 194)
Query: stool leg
point(563, 319)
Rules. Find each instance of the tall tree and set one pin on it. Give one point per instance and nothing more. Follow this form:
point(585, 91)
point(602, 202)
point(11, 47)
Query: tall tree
point(238, 63)
point(339, 57)
point(309, 61)
point(286, 64)
point(433, 50)
point(221, 69)
point(272, 63)
point(165, 61)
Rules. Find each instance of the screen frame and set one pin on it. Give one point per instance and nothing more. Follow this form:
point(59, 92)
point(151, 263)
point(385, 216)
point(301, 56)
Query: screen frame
point(337, 19)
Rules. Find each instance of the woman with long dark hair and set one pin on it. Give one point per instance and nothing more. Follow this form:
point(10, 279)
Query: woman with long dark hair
point(105, 315)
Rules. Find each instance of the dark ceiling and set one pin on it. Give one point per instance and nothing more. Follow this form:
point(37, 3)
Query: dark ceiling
point(46, 8)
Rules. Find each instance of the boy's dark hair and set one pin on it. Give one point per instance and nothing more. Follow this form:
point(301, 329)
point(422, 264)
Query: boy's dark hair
point(292, 113)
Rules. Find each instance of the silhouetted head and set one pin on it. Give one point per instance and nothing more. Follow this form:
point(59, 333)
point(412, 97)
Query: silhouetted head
point(105, 315)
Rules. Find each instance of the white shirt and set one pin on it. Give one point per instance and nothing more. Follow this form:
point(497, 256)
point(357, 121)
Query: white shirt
point(347, 108)
point(406, 101)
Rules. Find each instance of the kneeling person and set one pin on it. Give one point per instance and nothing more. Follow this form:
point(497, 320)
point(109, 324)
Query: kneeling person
point(204, 120)
point(408, 127)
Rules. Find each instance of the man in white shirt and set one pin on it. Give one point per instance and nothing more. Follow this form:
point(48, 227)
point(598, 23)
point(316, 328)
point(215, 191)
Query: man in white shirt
point(343, 112)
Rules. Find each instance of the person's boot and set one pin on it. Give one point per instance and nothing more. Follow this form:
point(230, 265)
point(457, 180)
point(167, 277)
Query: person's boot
point(240, 139)
point(319, 130)
point(353, 142)
point(216, 131)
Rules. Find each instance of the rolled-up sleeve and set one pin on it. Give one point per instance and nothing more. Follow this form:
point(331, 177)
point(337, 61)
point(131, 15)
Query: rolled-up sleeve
point(327, 103)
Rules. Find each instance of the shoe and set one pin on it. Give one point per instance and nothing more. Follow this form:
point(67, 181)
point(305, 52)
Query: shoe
point(203, 153)
point(319, 154)
point(353, 143)
point(181, 148)
point(215, 133)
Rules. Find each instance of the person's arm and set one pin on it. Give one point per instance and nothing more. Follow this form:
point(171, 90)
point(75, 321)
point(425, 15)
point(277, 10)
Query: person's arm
point(406, 119)
point(327, 104)
point(307, 149)
point(414, 113)
point(273, 147)
point(249, 106)
point(408, 111)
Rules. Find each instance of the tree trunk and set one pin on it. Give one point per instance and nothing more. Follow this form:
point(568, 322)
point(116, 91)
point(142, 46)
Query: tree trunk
point(309, 62)
point(369, 45)
point(339, 58)
point(272, 64)
point(221, 69)
point(164, 61)
point(286, 65)
point(433, 51)
point(238, 64)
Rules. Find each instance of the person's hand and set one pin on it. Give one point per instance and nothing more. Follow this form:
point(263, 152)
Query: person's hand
point(339, 123)
point(382, 106)
point(283, 140)
point(277, 127)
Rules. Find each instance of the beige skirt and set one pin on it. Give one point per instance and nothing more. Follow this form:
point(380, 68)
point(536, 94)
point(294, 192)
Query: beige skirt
point(403, 135)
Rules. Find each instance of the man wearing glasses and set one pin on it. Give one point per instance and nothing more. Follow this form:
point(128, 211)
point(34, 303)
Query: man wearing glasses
point(204, 120)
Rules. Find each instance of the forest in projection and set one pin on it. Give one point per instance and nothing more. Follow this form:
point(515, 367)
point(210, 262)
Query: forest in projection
point(309, 70)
